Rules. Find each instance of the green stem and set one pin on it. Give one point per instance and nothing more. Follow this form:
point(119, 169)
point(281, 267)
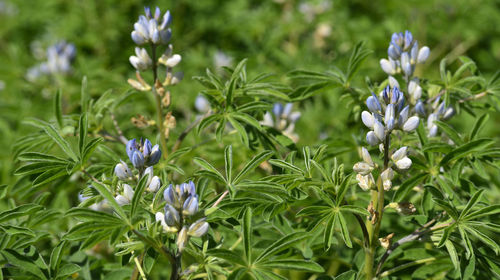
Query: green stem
point(377, 201)
point(159, 111)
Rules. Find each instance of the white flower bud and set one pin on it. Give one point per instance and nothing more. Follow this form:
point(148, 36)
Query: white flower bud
point(423, 54)
point(367, 119)
point(411, 124)
point(365, 182)
point(404, 163)
point(173, 61)
point(372, 139)
point(387, 66)
point(379, 130)
point(177, 78)
point(399, 154)
point(393, 82)
point(362, 168)
point(366, 156)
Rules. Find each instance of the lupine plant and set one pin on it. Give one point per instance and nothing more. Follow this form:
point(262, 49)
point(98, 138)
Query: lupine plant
point(234, 193)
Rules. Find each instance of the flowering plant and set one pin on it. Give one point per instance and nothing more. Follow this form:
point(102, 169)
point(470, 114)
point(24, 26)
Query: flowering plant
point(236, 191)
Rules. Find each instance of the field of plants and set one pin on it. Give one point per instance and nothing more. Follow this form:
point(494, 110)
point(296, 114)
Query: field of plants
point(249, 139)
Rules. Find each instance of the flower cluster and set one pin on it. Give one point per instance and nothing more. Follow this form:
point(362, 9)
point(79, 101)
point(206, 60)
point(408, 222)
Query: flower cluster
point(283, 119)
point(155, 31)
point(59, 58)
point(143, 156)
point(181, 206)
point(387, 114)
point(404, 55)
point(439, 112)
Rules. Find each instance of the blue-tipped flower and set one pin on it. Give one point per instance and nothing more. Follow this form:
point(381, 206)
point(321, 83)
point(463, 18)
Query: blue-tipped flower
point(172, 217)
point(59, 59)
point(122, 171)
point(404, 54)
point(152, 28)
point(283, 119)
point(142, 154)
point(190, 206)
point(137, 159)
point(373, 104)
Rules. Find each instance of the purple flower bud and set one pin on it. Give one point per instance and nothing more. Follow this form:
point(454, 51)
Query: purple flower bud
point(423, 54)
point(408, 39)
point(420, 109)
point(172, 216)
point(389, 117)
point(146, 148)
point(190, 206)
point(137, 159)
point(131, 147)
point(277, 110)
point(367, 119)
point(373, 104)
point(155, 156)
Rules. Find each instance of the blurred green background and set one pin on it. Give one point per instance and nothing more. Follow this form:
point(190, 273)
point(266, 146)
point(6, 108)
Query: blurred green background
point(277, 36)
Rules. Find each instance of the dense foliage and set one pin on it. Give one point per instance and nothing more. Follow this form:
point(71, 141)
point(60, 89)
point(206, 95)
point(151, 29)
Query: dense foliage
point(249, 140)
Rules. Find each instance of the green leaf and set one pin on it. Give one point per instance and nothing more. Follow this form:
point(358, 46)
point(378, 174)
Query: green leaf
point(139, 190)
point(344, 230)
point(228, 163)
point(63, 144)
point(252, 164)
point(450, 209)
point(103, 190)
point(485, 211)
point(68, 269)
point(85, 214)
point(84, 95)
point(355, 209)
point(407, 185)
point(292, 264)
point(246, 119)
point(241, 130)
point(83, 133)
point(55, 256)
point(453, 254)
point(282, 244)
point(466, 149)
point(313, 211)
point(478, 125)
point(343, 188)
point(40, 157)
point(285, 165)
point(58, 108)
point(207, 166)
point(484, 238)
point(23, 262)
point(247, 234)
point(329, 229)
point(473, 201)
point(89, 148)
point(49, 176)
point(23, 210)
point(358, 55)
point(446, 233)
point(227, 255)
point(452, 133)
point(469, 269)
